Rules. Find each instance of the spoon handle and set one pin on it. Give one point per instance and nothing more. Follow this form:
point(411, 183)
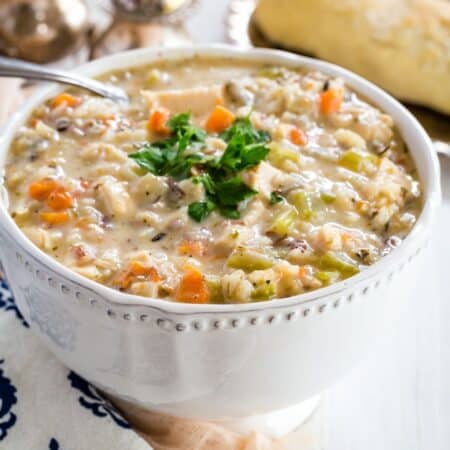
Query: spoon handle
point(16, 68)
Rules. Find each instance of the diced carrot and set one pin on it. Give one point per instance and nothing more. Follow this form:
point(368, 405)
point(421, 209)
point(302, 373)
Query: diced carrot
point(193, 287)
point(65, 99)
point(40, 190)
point(157, 121)
point(139, 269)
point(220, 119)
point(302, 271)
point(298, 136)
point(330, 101)
point(134, 270)
point(60, 199)
point(193, 248)
point(55, 218)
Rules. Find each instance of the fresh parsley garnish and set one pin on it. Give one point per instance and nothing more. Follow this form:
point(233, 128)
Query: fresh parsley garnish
point(275, 197)
point(245, 129)
point(168, 157)
point(246, 146)
point(223, 195)
point(224, 188)
point(201, 210)
point(184, 132)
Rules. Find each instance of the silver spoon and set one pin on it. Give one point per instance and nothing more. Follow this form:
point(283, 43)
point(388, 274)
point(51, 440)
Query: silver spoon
point(16, 68)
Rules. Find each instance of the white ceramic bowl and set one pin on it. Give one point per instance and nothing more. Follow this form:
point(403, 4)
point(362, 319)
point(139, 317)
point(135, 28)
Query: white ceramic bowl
point(216, 361)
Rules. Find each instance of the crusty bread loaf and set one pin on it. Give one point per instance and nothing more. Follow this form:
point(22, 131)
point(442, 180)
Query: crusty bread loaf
point(401, 45)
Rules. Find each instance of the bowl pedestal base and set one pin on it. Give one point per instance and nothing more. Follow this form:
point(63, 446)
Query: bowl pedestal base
point(275, 423)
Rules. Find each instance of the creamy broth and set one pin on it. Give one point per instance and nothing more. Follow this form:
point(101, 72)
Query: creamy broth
point(220, 182)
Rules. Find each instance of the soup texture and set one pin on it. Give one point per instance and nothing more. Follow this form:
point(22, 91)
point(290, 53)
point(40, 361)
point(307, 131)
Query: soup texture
point(219, 182)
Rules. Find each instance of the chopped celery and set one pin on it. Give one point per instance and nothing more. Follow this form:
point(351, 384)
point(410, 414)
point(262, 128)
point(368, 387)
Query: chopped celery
point(327, 197)
point(263, 291)
point(327, 277)
point(335, 262)
point(153, 77)
point(278, 154)
point(357, 161)
point(303, 202)
point(215, 288)
point(272, 73)
point(249, 260)
point(284, 220)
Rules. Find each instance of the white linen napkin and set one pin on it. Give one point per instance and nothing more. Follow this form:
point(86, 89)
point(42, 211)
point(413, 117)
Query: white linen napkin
point(43, 405)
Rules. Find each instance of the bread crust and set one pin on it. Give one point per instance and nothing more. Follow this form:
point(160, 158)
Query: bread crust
point(401, 45)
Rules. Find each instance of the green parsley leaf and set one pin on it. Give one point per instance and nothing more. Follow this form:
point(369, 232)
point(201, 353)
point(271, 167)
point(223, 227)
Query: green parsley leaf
point(231, 212)
point(207, 181)
point(275, 197)
point(179, 121)
point(225, 195)
point(244, 128)
point(233, 191)
point(186, 133)
point(246, 146)
point(224, 188)
point(150, 158)
point(200, 210)
point(167, 157)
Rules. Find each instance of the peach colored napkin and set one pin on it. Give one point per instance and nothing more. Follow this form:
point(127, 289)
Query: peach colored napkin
point(164, 432)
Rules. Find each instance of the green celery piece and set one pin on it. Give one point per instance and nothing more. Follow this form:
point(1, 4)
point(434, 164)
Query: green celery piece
point(327, 277)
point(357, 161)
point(284, 220)
point(249, 260)
point(327, 197)
point(263, 291)
point(278, 154)
point(215, 289)
point(331, 261)
point(273, 73)
point(303, 202)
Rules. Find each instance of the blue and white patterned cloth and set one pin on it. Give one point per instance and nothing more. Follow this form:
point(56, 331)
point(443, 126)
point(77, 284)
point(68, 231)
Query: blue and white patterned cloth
point(43, 405)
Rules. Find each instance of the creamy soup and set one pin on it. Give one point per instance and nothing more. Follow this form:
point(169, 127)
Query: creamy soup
point(220, 182)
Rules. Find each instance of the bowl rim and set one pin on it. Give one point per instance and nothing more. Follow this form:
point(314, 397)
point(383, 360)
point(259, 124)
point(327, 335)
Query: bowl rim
point(403, 119)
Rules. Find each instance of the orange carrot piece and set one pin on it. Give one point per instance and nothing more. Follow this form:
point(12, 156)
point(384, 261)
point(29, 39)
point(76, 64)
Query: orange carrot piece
point(139, 269)
point(220, 119)
point(192, 287)
point(65, 99)
point(40, 190)
point(193, 248)
point(302, 271)
point(330, 101)
point(157, 121)
point(60, 199)
point(134, 270)
point(298, 136)
point(55, 218)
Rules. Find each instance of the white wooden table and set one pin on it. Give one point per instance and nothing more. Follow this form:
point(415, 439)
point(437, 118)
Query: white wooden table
point(398, 398)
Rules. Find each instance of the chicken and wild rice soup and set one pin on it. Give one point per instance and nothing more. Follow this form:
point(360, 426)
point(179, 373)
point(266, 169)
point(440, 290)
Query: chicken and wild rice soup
point(220, 182)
